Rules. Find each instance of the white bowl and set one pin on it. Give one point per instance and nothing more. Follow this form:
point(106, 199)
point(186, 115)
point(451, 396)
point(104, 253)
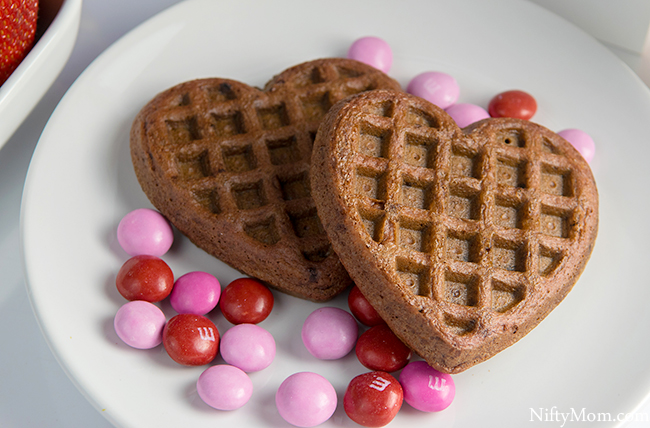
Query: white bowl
point(36, 73)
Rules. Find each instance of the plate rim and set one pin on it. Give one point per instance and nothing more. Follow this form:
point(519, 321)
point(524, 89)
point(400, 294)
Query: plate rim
point(26, 195)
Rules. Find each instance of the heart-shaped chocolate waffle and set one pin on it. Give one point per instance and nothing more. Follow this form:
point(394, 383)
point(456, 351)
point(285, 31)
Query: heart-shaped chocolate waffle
point(228, 165)
point(462, 239)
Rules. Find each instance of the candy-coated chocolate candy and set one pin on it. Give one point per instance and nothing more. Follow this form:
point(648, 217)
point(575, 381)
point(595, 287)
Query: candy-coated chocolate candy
point(224, 387)
point(140, 324)
point(191, 340)
point(515, 103)
point(438, 88)
point(329, 333)
point(581, 141)
point(379, 349)
point(145, 278)
point(465, 114)
point(195, 293)
point(306, 399)
point(248, 346)
point(425, 388)
point(373, 399)
point(362, 309)
point(246, 300)
point(145, 231)
point(372, 51)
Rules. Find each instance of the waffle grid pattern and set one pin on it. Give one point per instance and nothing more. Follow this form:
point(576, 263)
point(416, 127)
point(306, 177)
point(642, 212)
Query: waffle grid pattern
point(244, 154)
point(473, 227)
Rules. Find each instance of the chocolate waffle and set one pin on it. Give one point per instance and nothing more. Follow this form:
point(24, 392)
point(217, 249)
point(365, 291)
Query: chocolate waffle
point(462, 240)
point(228, 165)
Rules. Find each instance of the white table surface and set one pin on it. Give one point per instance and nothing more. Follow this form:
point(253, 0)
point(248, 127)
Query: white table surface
point(34, 390)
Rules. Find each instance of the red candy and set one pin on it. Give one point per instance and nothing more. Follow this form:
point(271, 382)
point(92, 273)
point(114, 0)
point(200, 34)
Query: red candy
point(373, 399)
point(361, 308)
point(145, 278)
point(246, 300)
point(517, 104)
point(379, 349)
point(191, 340)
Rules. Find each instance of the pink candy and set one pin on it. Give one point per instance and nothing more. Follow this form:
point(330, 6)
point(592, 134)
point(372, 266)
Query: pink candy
point(372, 51)
point(465, 114)
point(581, 141)
point(195, 293)
point(224, 387)
point(145, 231)
point(248, 347)
point(329, 333)
point(140, 324)
point(438, 88)
point(306, 399)
point(425, 388)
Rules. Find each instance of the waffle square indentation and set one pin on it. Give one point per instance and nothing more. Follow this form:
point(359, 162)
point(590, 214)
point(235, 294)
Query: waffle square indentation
point(416, 117)
point(265, 231)
point(554, 222)
point(347, 73)
point(194, 167)
point(373, 224)
point(227, 125)
point(415, 194)
point(511, 172)
point(221, 93)
point(549, 260)
point(414, 236)
point(383, 109)
point(548, 147)
point(209, 199)
point(249, 195)
point(273, 117)
point(509, 256)
point(183, 100)
point(239, 159)
point(314, 77)
point(306, 223)
point(412, 276)
point(373, 141)
point(505, 297)
point(463, 205)
point(459, 326)
point(556, 182)
point(462, 248)
point(371, 184)
point(464, 164)
point(295, 187)
point(283, 151)
point(419, 151)
point(184, 130)
point(461, 289)
point(508, 214)
point(316, 106)
point(511, 137)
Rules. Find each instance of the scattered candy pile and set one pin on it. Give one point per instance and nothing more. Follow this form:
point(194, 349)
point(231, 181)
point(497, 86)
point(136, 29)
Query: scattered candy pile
point(303, 399)
point(190, 338)
point(328, 333)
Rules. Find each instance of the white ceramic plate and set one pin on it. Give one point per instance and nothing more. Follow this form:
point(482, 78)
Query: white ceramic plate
point(36, 73)
point(591, 353)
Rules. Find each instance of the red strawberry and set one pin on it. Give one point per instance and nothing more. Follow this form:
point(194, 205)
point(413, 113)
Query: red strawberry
point(17, 30)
